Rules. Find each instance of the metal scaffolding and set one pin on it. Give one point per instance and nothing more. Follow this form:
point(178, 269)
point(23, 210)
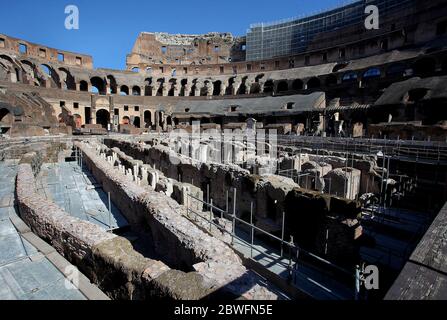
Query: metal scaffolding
point(291, 36)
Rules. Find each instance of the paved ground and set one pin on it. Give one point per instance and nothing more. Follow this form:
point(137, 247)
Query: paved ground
point(78, 193)
point(314, 283)
point(25, 273)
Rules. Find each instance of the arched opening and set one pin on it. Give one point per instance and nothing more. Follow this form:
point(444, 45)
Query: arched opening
point(204, 89)
point(183, 84)
point(50, 74)
point(192, 93)
point(160, 84)
point(372, 73)
point(77, 121)
point(349, 77)
point(173, 83)
point(6, 117)
point(68, 81)
point(255, 88)
point(313, 83)
point(136, 69)
point(297, 85)
point(148, 87)
point(124, 90)
point(136, 91)
point(282, 86)
point(217, 86)
point(424, 67)
point(30, 70)
point(147, 118)
point(331, 80)
point(169, 120)
point(149, 71)
point(229, 90)
point(46, 69)
point(136, 122)
point(98, 85)
point(242, 88)
point(103, 117)
point(113, 85)
point(125, 120)
point(268, 86)
point(83, 86)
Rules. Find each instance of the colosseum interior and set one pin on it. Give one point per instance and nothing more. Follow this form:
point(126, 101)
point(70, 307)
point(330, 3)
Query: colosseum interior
point(212, 169)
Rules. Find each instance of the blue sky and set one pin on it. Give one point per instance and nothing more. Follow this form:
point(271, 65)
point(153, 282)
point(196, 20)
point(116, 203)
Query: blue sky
point(108, 29)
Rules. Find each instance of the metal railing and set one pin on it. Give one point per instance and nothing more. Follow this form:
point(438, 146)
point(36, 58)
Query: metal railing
point(289, 262)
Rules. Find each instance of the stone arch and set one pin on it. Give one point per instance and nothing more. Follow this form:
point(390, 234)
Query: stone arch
point(204, 89)
point(173, 84)
point(98, 85)
point(229, 90)
point(112, 84)
point(193, 88)
point(242, 87)
point(217, 86)
point(67, 79)
point(103, 117)
point(160, 83)
point(313, 83)
point(148, 87)
point(268, 86)
point(29, 69)
point(255, 88)
point(51, 74)
point(282, 86)
point(6, 117)
point(183, 85)
point(136, 91)
point(137, 122)
point(124, 90)
point(148, 118)
point(83, 85)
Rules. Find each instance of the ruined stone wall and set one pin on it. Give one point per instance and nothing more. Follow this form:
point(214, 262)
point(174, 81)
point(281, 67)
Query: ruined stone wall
point(44, 54)
point(175, 238)
point(48, 148)
point(153, 49)
point(270, 195)
point(108, 260)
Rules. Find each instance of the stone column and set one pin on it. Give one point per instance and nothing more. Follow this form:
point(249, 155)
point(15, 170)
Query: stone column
point(223, 89)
